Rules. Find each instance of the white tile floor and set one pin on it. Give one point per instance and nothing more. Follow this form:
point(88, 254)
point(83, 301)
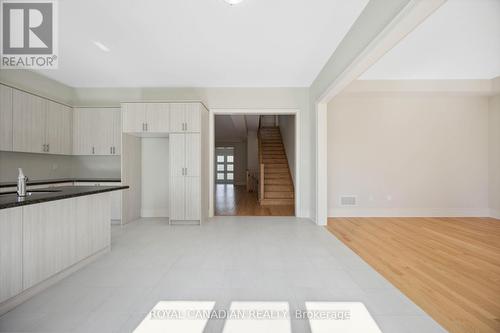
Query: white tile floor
point(227, 259)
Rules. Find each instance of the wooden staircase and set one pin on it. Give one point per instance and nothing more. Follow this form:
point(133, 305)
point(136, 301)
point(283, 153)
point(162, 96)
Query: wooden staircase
point(276, 186)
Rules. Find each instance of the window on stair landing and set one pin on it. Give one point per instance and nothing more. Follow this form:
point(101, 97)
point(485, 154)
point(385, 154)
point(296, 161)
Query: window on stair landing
point(224, 168)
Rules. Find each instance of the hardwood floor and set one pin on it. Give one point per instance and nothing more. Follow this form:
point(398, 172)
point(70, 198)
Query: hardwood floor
point(234, 200)
point(450, 267)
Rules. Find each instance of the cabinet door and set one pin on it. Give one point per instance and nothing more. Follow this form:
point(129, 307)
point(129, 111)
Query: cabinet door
point(177, 198)
point(103, 130)
point(177, 117)
point(29, 116)
point(48, 238)
point(5, 118)
point(193, 121)
point(193, 154)
point(11, 260)
point(133, 117)
point(117, 131)
point(177, 155)
point(158, 117)
point(193, 199)
point(84, 132)
point(58, 132)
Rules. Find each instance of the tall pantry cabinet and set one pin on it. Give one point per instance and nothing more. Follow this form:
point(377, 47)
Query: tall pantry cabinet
point(186, 126)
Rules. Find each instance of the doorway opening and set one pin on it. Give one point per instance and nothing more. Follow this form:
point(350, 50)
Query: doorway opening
point(254, 158)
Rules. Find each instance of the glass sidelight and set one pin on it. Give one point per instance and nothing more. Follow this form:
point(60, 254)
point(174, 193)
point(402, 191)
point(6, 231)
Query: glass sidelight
point(224, 169)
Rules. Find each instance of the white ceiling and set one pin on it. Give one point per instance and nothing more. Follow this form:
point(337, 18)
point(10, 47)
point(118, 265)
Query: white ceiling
point(234, 128)
point(461, 40)
point(199, 43)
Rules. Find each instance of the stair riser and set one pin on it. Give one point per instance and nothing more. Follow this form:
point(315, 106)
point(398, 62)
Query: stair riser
point(278, 195)
point(278, 181)
point(277, 202)
point(276, 176)
point(278, 188)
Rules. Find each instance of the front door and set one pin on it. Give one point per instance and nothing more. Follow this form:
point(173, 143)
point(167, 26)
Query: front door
point(224, 169)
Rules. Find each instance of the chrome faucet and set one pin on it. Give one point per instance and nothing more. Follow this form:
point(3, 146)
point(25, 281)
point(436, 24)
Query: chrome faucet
point(21, 184)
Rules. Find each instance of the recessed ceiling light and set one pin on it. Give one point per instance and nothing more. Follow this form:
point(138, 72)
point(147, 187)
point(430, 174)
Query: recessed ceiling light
point(233, 2)
point(101, 46)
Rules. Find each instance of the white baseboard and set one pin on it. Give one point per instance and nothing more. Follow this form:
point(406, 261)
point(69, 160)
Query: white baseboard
point(11, 303)
point(159, 212)
point(404, 212)
point(495, 214)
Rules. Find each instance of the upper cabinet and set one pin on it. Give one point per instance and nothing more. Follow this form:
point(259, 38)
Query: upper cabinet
point(146, 117)
point(59, 129)
point(5, 118)
point(29, 119)
point(185, 117)
point(40, 125)
point(97, 131)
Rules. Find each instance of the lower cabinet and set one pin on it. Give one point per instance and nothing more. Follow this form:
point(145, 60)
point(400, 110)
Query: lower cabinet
point(11, 235)
point(116, 200)
point(58, 234)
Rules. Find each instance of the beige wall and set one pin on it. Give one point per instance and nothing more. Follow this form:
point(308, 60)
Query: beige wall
point(494, 154)
point(408, 155)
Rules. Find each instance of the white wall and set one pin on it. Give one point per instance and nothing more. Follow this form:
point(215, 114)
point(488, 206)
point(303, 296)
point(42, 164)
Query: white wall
point(494, 155)
point(252, 151)
point(287, 129)
point(408, 155)
point(155, 177)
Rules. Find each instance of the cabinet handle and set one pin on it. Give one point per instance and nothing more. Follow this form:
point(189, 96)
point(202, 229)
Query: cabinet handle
point(93, 150)
point(186, 126)
point(186, 171)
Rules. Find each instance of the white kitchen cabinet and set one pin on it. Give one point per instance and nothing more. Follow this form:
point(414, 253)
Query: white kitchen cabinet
point(177, 197)
point(185, 117)
point(193, 154)
point(158, 117)
point(11, 275)
point(29, 122)
point(146, 117)
point(117, 131)
point(96, 131)
point(40, 125)
point(185, 159)
point(48, 240)
point(5, 118)
point(133, 117)
point(59, 129)
point(192, 201)
point(116, 199)
point(58, 234)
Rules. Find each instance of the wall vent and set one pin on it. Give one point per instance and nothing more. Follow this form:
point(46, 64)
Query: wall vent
point(348, 200)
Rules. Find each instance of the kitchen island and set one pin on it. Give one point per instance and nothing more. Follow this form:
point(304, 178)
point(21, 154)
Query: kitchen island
point(49, 234)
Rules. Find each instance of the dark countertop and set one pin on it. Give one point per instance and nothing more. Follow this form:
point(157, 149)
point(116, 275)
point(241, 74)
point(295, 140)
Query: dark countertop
point(10, 199)
point(62, 180)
